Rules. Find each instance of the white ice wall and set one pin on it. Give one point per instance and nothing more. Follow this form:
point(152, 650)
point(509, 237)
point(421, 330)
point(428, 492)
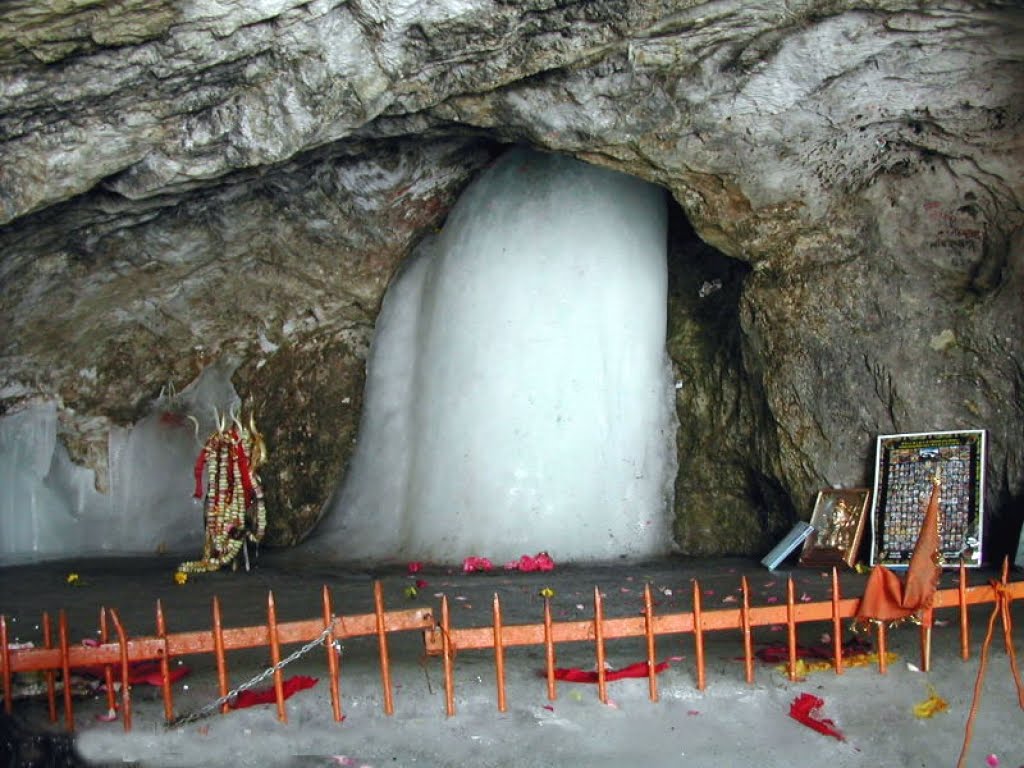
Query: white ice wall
point(49, 507)
point(519, 396)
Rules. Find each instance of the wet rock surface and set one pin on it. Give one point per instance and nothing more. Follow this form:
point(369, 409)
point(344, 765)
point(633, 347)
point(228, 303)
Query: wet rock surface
point(181, 185)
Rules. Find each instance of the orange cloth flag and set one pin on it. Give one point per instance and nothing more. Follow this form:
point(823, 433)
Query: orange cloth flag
point(886, 597)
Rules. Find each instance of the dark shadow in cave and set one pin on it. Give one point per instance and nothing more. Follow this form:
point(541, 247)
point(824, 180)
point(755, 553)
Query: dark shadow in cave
point(727, 483)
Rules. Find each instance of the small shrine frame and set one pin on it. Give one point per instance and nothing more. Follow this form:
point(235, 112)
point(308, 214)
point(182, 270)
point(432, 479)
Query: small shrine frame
point(838, 520)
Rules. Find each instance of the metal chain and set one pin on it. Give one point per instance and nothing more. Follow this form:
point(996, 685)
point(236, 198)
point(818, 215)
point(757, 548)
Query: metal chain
point(210, 708)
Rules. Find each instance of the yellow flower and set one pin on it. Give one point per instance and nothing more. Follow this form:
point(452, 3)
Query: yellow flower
point(180, 577)
point(932, 705)
point(547, 593)
point(73, 579)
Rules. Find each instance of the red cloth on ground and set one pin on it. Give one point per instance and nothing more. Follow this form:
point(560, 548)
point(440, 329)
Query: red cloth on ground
point(576, 675)
point(267, 696)
point(779, 652)
point(139, 673)
point(804, 710)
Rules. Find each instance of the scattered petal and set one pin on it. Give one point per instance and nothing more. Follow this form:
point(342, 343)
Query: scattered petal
point(180, 578)
point(772, 599)
point(547, 593)
point(420, 583)
point(473, 563)
point(805, 598)
point(410, 593)
point(912, 667)
point(932, 706)
point(549, 708)
point(992, 761)
point(776, 628)
point(109, 717)
point(826, 638)
point(415, 566)
point(692, 712)
point(729, 599)
point(579, 606)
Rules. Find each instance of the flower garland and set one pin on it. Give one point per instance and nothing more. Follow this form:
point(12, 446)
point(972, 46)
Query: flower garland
point(233, 510)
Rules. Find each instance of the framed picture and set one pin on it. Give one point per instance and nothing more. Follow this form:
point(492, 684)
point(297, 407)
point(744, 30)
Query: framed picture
point(838, 522)
point(904, 468)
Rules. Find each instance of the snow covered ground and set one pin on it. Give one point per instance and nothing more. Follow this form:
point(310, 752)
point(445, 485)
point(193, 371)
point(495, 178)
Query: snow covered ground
point(728, 724)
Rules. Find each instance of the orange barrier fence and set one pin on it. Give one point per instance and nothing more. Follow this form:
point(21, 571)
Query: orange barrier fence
point(445, 641)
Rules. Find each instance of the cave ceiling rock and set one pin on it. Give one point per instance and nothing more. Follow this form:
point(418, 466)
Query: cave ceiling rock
point(281, 157)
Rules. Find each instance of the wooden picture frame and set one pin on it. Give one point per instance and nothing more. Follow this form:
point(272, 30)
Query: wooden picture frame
point(904, 468)
point(838, 522)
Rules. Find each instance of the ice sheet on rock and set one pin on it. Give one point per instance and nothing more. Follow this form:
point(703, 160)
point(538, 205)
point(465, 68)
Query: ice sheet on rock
point(49, 506)
point(519, 397)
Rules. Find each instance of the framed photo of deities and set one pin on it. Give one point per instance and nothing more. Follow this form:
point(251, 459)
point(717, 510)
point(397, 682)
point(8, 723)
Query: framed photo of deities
point(838, 522)
point(904, 467)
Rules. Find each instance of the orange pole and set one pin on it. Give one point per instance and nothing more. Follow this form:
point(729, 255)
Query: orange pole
point(965, 629)
point(748, 644)
point(549, 650)
point(382, 644)
point(65, 668)
point(837, 625)
point(332, 656)
point(51, 685)
point(698, 635)
point(126, 686)
point(652, 675)
point(499, 654)
point(1007, 618)
point(446, 650)
point(165, 664)
point(8, 678)
point(275, 657)
point(218, 652)
point(791, 626)
point(883, 662)
point(927, 619)
point(602, 682)
point(108, 670)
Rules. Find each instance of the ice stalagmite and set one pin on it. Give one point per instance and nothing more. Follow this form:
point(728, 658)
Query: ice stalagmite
point(519, 396)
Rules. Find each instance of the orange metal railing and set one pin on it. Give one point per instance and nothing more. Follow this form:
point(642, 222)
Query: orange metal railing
point(445, 641)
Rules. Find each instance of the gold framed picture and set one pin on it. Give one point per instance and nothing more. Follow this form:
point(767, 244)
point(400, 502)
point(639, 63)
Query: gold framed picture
point(838, 522)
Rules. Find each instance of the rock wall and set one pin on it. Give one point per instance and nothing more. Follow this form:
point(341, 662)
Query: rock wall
point(186, 182)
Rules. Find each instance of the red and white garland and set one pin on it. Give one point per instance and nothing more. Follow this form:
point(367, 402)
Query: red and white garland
point(234, 511)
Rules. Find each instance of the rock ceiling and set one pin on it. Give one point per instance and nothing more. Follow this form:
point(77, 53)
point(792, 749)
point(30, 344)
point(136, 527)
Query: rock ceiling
point(183, 182)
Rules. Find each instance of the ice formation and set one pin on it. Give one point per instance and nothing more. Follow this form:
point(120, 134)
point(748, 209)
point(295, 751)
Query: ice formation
point(519, 396)
point(50, 508)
